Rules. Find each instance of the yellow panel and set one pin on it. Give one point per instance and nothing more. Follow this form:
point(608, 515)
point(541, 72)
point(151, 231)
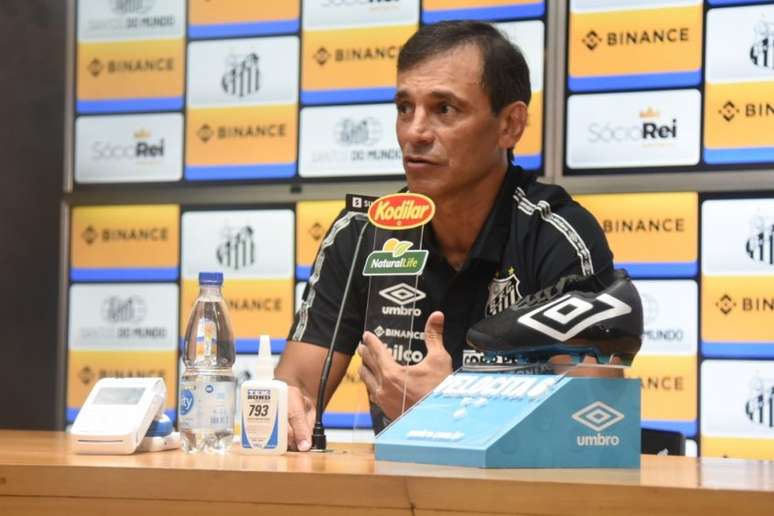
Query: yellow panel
point(256, 307)
point(737, 309)
point(668, 386)
point(736, 115)
point(125, 236)
point(351, 396)
point(86, 367)
point(313, 219)
point(376, 67)
point(739, 448)
point(158, 69)
point(242, 135)
point(532, 140)
point(616, 59)
point(661, 227)
point(206, 12)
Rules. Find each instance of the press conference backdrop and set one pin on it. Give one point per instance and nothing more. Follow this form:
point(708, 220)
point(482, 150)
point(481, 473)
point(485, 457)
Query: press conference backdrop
point(183, 97)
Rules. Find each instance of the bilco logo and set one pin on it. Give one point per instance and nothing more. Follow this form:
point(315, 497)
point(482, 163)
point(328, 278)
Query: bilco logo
point(242, 77)
point(130, 65)
point(729, 111)
point(401, 211)
point(637, 38)
point(726, 304)
point(366, 131)
point(116, 309)
point(598, 417)
point(142, 149)
point(649, 130)
point(237, 249)
point(122, 7)
point(339, 55)
point(762, 50)
point(760, 246)
point(92, 235)
point(760, 405)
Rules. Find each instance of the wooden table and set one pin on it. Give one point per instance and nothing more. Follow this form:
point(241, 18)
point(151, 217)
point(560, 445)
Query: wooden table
point(39, 475)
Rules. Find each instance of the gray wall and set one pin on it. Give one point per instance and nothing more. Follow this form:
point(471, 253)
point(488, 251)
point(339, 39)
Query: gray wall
point(32, 67)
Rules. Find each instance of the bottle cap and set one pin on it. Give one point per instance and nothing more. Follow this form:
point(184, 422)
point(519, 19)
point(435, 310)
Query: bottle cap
point(210, 278)
point(265, 367)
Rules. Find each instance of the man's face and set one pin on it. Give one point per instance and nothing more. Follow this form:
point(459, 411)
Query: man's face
point(446, 129)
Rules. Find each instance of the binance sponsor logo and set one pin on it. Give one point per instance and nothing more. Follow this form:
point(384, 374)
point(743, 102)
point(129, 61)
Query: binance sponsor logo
point(762, 50)
point(636, 38)
point(759, 407)
point(650, 129)
point(92, 235)
point(237, 248)
point(644, 225)
point(730, 111)
point(667, 383)
point(97, 67)
point(760, 246)
point(254, 304)
point(316, 231)
point(143, 148)
point(727, 304)
point(241, 132)
point(242, 77)
point(398, 333)
point(348, 54)
point(88, 374)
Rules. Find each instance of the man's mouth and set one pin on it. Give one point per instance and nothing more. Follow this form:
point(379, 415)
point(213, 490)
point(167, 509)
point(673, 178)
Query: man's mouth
point(419, 160)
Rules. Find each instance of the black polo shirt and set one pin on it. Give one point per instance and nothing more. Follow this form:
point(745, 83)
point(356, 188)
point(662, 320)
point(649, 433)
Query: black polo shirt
point(534, 235)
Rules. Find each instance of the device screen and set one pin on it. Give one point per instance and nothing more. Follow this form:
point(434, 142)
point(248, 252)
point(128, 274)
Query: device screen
point(119, 396)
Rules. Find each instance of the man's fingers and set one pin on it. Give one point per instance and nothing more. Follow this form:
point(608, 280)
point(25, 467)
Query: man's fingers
point(299, 429)
point(434, 333)
point(369, 380)
point(378, 355)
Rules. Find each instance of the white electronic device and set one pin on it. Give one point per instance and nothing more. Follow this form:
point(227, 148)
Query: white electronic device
point(117, 414)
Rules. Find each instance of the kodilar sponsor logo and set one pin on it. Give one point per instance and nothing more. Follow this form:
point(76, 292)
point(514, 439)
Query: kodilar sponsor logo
point(401, 211)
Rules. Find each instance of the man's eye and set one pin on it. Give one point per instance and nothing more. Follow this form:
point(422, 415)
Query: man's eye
point(445, 108)
point(402, 108)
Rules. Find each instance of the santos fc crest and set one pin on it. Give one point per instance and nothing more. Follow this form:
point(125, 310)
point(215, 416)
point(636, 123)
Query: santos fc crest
point(503, 292)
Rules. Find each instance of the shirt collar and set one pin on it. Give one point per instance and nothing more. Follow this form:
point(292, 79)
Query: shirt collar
point(494, 233)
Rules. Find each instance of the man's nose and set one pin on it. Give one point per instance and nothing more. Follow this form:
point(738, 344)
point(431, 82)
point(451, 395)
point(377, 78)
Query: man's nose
point(419, 130)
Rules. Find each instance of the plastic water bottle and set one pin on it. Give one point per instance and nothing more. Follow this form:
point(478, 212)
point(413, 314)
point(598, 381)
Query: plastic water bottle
point(208, 386)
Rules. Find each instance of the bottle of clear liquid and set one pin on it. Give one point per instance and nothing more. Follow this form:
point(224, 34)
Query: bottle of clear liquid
point(208, 386)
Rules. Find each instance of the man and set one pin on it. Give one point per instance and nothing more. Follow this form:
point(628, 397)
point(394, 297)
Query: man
point(497, 235)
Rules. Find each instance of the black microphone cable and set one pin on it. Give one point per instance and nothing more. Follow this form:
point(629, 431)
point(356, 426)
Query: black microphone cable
point(319, 441)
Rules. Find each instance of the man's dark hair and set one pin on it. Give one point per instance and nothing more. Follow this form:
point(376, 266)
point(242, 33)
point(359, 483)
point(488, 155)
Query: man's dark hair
point(505, 77)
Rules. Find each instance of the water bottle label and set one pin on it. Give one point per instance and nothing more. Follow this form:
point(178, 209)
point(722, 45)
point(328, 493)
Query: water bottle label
point(207, 405)
point(206, 340)
point(259, 418)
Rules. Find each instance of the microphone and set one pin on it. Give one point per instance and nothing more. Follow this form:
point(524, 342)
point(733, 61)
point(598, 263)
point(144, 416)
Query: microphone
point(319, 441)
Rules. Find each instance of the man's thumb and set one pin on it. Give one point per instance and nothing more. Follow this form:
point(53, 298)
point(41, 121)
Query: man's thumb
point(434, 333)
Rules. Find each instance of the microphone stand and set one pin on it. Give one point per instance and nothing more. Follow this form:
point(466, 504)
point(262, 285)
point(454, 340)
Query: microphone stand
point(319, 441)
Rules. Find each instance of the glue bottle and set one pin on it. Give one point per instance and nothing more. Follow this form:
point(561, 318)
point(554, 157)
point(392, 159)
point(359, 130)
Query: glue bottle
point(264, 403)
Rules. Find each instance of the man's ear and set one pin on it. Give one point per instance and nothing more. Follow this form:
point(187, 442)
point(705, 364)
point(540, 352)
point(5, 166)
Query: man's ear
point(513, 121)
